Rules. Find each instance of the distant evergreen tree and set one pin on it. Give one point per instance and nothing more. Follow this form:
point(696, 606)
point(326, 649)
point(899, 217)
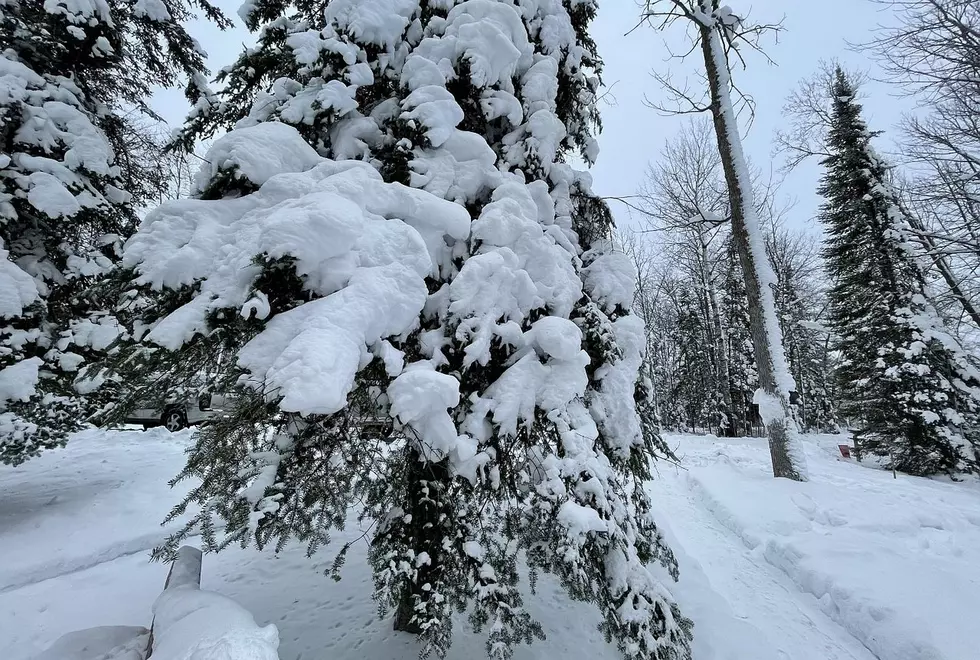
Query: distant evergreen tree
point(434, 335)
point(696, 389)
point(905, 381)
point(806, 352)
point(73, 171)
point(741, 355)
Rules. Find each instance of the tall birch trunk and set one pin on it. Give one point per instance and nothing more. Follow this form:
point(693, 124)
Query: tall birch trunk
point(775, 382)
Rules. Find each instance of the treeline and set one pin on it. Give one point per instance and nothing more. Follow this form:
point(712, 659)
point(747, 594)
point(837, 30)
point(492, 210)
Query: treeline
point(692, 296)
point(879, 312)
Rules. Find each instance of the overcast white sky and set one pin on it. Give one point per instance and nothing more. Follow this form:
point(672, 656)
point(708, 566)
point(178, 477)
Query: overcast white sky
point(634, 133)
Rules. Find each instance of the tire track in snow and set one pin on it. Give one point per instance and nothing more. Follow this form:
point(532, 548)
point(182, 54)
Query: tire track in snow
point(757, 593)
point(51, 570)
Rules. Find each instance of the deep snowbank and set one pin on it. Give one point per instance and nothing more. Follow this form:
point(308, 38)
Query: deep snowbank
point(189, 624)
point(193, 624)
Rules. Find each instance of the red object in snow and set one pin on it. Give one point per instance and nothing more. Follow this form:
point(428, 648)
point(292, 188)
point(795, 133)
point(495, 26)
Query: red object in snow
point(845, 451)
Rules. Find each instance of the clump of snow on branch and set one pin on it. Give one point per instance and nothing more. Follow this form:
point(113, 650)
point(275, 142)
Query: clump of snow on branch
point(53, 187)
point(256, 155)
point(17, 382)
point(610, 277)
point(357, 242)
point(17, 288)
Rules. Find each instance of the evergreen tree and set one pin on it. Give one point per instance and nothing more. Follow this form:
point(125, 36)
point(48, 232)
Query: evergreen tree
point(904, 378)
point(805, 344)
point(73, 171)
point(695, 388)
point(438, 334)
point(741, 354)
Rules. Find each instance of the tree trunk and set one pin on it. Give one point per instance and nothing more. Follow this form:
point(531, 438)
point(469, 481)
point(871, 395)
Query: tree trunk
point(427, 484)
point(787, 461)
point(403, 615)
point(724, 371)
point(951, 280)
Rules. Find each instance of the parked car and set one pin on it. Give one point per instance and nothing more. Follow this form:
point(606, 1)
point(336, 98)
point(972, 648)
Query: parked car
point(180, 414)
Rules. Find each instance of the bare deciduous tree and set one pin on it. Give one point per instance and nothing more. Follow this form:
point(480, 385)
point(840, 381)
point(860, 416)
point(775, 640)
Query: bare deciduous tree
point(933, 50)
point(720, 34)
point(685, 202)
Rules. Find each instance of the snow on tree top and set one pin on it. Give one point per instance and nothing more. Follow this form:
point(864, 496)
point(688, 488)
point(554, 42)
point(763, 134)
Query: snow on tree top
point(380, 22)
point(257, 153)
point(489, 35)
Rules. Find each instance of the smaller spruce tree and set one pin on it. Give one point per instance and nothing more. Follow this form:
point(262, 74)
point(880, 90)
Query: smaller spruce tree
point(906, 382)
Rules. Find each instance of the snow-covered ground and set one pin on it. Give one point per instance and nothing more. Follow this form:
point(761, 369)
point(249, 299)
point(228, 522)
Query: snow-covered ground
point(852, 565)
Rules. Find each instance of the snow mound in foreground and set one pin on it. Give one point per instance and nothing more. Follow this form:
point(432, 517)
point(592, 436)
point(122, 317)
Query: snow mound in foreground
point(190, 624)
point(102, 643)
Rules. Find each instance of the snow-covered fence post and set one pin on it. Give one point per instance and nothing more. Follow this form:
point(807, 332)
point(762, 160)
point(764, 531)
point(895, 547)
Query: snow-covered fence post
point(185, 571)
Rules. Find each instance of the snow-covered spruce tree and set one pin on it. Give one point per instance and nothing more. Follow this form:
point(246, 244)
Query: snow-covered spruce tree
point(741, 356)
point(458, 282)
point(696, 390)
point(799, 304)
point(70, 184)
point(905, 380)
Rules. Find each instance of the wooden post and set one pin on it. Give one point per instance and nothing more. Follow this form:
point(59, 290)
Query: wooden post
point(185, 571)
